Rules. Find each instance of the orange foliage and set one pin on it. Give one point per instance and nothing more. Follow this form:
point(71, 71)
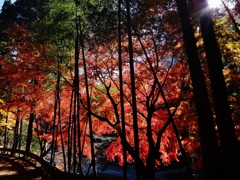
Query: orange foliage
point(27, 80)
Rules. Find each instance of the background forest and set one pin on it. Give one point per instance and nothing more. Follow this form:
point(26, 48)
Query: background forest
point(160, 78)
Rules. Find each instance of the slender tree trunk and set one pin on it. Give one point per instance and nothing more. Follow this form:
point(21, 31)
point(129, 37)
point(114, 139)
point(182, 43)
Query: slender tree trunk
point(133, 91)
point(121, 91)
point(59, 116)
point(20, 134)
point(41, 144)
point(62, 141)
point(88, 104)
point(75, 122)
point(53, 130)
point(70, 134)
point(29, 134)
point(15, 139)
point(209, 140)
point(78, 103)
point(76, 118)
point(5, 132)
point(219, 91)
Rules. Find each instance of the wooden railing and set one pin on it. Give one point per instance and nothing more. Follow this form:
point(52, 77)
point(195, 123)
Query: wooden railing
point(47, 170)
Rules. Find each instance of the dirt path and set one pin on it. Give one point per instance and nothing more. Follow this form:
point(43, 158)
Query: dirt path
point(12, 168)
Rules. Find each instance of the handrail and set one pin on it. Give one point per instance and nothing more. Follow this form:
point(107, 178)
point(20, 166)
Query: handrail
point(47, 169)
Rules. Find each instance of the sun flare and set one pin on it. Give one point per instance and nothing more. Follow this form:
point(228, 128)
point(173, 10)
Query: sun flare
point(214, 3)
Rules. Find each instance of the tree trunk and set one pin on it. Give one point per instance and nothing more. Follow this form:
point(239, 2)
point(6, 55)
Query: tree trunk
point(5, 132)
point(29, 134)
point(209, 141)
point(53, 129)
point(15, 140)
point(69, 153)
point(76, 110)
point(150, 168)
point(133, 91)
point(59, 116)
point(219, 91)
point(88, 104)
point(144, 171)
point(20, 134)
point(121, 90)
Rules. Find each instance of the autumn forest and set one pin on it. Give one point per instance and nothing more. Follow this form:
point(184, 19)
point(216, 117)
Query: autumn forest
point(160, 77)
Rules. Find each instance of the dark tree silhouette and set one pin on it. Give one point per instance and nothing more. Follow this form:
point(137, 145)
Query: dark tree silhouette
point(209, 141)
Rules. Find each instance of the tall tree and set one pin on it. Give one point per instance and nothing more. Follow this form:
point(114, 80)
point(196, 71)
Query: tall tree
point(209, 140)
point(29, 133)
point(133, 90)
point(225, 125)
point(5, 132)
point(120, 64)
point(93, 162)
point(20, 134)
point(16, 133)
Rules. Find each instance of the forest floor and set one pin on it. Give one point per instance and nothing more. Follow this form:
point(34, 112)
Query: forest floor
point(16, 169)
point(12, 168)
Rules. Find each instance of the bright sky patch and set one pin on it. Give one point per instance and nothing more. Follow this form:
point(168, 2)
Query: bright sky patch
point(214, 3)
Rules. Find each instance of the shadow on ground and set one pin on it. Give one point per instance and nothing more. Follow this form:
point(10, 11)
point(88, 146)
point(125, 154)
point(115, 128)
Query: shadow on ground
point(15, 169)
